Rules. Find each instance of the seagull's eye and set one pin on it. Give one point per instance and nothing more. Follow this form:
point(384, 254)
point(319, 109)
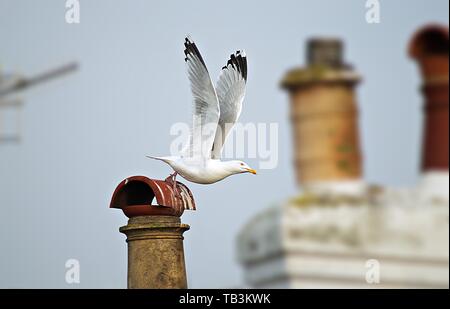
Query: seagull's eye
point(242, 164)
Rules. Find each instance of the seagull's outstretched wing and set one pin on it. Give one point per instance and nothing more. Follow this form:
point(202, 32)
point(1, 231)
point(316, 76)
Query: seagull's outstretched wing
point(206, 105)
point(230, 92)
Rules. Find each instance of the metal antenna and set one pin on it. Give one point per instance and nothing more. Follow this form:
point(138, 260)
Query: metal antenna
point(14, 84)
point(23, 82)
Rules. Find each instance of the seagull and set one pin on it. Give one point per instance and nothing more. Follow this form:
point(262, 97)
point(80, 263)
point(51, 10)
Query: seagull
point(215, 111)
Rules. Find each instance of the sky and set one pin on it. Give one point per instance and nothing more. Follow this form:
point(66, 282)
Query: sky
point(84, 133)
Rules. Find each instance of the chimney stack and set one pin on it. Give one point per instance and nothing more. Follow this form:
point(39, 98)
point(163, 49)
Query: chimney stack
point(429, 47)
point(324, 118)
point(154, 231)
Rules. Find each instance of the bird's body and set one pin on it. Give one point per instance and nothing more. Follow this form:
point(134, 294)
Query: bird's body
point(201, 171)
point(216, 110)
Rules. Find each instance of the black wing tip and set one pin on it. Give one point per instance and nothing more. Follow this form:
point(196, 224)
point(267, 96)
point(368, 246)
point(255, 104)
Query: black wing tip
point(238, 60)
point(188, 39)
point(191, 49)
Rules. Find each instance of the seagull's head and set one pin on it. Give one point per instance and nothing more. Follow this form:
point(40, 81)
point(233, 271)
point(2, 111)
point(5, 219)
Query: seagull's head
point(239, 167)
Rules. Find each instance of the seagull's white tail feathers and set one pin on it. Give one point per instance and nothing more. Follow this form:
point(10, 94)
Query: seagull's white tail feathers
point(164, 159)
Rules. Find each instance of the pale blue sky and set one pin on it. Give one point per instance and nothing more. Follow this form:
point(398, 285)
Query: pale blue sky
point(86, 132)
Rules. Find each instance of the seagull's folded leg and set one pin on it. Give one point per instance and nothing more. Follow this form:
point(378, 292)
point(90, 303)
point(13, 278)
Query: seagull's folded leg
point(170, 178)
point(172, 181)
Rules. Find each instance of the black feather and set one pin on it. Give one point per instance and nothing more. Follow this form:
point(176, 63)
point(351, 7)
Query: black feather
point(238, 62)
point(191, 48)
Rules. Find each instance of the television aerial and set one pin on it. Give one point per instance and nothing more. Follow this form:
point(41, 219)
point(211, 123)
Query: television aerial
point(10, 106)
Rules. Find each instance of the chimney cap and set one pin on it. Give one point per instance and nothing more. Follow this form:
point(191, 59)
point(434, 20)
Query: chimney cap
point(429, 40)
point(135, 196)
point(325, 51)
point(325, 64)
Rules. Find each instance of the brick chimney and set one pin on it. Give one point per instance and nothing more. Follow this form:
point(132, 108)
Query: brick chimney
point(429, 47)
point(324, 118)
point(154, 231)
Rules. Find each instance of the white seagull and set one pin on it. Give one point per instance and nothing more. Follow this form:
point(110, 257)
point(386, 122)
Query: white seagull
point(216, 110)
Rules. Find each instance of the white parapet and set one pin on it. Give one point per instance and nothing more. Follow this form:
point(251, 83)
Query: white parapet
point(434, 186)
point(349, 187)
point(388, 239)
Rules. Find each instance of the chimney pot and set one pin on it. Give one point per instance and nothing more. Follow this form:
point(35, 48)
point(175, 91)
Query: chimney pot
point(324, 117)
point(154, 231)
point(325, 52)
point(429, 47)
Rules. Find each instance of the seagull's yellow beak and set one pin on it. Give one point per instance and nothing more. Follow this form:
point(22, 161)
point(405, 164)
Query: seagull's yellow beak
point(250, 170)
